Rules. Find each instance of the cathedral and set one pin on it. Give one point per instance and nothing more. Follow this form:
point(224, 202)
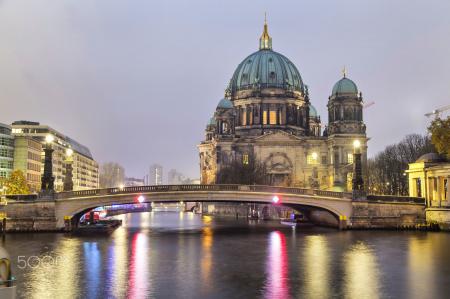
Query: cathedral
point(267, 114)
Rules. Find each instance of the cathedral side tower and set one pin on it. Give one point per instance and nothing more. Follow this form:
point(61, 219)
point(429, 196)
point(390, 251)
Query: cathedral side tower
point(345, 125)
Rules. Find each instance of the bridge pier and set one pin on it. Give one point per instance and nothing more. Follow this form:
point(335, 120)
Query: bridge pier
point(343, 223)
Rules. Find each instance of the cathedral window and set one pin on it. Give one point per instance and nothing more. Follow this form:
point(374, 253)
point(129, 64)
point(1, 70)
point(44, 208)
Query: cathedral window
point(273, 117)
point(311, 159)
point(245, 159)
point(224, 127)
point(265, 117)
point(349, 158)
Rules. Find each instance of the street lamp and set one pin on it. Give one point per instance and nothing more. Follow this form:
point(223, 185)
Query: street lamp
point(49, 139)
point(68, 179)
point(48, 180)
point(357, 182)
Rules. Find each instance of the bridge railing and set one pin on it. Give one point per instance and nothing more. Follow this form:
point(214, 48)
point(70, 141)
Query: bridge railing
point(193, 188)
point(395, 198)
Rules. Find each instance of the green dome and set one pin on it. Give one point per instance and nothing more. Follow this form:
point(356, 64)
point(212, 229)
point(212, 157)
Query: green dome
point(345, 86)
point(225, 104)
point(212, 121)
point(312, 111)
point(266, 69)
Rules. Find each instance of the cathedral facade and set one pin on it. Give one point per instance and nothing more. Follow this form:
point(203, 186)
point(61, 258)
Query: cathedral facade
point(267, 115)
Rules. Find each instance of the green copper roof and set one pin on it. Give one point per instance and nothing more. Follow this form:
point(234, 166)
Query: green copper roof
point(345, 86)
point(225, 104)
point(312, 111)
point(265, 69)
point(212, 121)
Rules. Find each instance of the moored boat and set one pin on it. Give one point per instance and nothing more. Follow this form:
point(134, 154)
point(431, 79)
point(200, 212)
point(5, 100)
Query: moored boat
point(296, 220)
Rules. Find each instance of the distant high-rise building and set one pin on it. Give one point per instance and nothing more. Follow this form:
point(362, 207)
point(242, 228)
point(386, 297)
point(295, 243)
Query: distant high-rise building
point(85, 168)
point(6, 151)
point(175, 178)
point(156, 175)
point(130, 182)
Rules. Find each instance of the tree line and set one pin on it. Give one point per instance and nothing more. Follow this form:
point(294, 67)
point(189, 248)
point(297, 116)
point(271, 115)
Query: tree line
point(386, 171)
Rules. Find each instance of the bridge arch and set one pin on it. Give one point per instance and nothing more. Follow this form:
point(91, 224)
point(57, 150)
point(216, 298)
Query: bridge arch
point(339, 206)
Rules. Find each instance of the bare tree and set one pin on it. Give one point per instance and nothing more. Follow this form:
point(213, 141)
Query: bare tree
point(386, 171)
point(248, 172)
point(111, 175)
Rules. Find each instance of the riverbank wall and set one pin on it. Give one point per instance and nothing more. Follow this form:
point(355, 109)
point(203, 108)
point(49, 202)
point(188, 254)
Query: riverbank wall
point(439, 217)
point(29, 216)
point(387, 215)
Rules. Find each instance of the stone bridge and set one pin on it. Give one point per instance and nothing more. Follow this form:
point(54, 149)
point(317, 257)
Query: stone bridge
point(75, 203)
point(342, 209)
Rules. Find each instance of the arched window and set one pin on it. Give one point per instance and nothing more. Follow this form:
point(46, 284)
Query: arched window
point(224, 127)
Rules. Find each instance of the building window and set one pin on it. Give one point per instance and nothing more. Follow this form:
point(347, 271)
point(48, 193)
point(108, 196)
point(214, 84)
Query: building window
point(445, 189)
point(324, 160)
point(350, 158)
point(312, 159)
point(273, 117)
point(265, 117)
point(245, 159)
point(418, 188)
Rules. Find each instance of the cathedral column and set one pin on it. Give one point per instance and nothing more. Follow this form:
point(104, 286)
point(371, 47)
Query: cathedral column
point(277, 116)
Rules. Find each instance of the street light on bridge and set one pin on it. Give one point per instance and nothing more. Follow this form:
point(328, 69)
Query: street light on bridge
point(48, 180)
point(68, 179)
point(276, 199)
point(357, 182)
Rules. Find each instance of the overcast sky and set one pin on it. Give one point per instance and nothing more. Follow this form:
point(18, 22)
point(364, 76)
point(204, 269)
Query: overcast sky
point(137, 81)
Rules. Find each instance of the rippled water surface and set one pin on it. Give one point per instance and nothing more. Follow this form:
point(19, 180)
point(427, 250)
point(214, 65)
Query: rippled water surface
point(181, 255)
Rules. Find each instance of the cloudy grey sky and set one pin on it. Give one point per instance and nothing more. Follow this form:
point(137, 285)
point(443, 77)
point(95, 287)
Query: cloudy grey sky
point(136, 81)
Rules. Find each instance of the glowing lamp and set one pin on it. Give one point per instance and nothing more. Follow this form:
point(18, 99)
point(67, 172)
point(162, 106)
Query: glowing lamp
point(49, 138)
point(314, 156)
point(141, 198)
point(69, 152)
point(276, 199)
point(356, 144)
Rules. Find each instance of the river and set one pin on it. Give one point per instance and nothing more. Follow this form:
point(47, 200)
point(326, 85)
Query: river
point(182, 255)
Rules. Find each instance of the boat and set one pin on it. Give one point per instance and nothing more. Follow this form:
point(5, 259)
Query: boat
point(92, 223)
point(296, 220)
point(100, 227)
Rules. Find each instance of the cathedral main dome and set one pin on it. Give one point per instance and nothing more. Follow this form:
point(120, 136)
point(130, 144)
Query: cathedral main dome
point(266, 69)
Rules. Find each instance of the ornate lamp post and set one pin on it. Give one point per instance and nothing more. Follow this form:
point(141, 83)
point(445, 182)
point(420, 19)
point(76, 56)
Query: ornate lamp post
point(48, 180)
point(357, 182)
point(68, 180)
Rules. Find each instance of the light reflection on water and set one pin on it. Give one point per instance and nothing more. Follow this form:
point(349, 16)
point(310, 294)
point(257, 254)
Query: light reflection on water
point(173, 255)
point(361, 272)
point(277, 267)
point(317, 271)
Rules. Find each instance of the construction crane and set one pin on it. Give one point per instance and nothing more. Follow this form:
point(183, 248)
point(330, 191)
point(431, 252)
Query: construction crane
point(437, 112)
point(368, 105)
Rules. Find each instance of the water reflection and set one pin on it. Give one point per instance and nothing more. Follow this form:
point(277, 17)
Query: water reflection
point(317, 270)
point(46, 270)
point(206, 259)
point(421, 262)
point(361, 272)
point(189, 256)
point(138, 280)
point(118, 263)
point(92, 266)
point(277, 267)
